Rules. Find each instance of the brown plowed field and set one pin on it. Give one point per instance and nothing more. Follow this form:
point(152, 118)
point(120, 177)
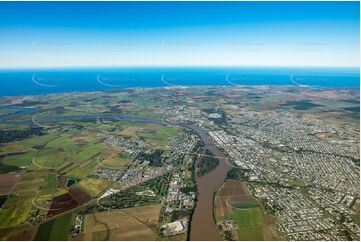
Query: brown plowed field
point(7, 182)
point(75, 197)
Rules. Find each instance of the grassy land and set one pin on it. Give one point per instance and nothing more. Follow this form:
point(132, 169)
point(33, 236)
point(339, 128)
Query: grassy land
point(93, 186)
point(56, 229)
point(356, 219)
point(50, 184)
point(82, 172)
point(158, 135)
point(115, 158)
point(19, 160)
point(137, 223)
point(8, 168)
point(15, 210)
point(249, 219)
point(14, 148)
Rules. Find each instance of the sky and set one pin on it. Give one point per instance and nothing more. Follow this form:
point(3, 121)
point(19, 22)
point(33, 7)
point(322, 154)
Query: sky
point(89, 34)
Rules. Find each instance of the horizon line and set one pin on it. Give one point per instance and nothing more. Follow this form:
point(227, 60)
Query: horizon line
point(169, 66)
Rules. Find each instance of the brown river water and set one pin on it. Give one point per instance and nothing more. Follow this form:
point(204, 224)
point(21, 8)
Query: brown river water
point(203, 226)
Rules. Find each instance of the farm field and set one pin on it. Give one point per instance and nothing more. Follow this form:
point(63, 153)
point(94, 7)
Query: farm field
point(93, 187)
point(234, 202)
point(138, 223)
point(145, 172)
point(7, 182)
point(56, 229)
point(19, 233)
point(73, 198)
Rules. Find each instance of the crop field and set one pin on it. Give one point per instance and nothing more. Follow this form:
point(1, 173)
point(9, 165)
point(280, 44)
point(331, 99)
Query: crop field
point(14, 149)
point(53, 158)
point(114, 158)
point(19, 233)
point(30, 183)
point(15, 210)
point(93, 186)
point(158, 135)
point(74, 198)
point(20, 159)
point(56, 229)
point(7, 182)
point(4, 169)
point(138, 223)
point(232, 191)
point(50, 151)
point(234, 202)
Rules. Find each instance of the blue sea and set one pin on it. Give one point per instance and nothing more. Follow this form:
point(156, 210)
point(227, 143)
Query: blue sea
point(46, 81)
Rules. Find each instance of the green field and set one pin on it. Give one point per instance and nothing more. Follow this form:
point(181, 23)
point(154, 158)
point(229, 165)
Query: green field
point(15, 210)
point(160, 136)
point(356, 219)
point(19, 160)
point(93, 186)
point(249, 219)
point(56, 229)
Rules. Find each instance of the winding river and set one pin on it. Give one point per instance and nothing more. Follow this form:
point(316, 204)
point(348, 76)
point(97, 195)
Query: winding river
point(203, 226)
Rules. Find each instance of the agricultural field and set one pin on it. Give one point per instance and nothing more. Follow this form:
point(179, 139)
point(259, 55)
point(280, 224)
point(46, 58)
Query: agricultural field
point(56, 229)
point(154, 135)
point(53, 172)
point(139, 223)
point(50, 172)
point(93, 187)
point(72, 199)
point(233, 202)
point(114, 158)
point(8, 182)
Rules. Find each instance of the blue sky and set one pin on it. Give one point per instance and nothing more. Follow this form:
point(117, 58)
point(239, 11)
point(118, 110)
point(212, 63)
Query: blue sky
point(71, 34)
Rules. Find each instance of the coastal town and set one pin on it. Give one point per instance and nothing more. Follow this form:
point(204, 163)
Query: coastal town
point(180, 120)
point(296, 172)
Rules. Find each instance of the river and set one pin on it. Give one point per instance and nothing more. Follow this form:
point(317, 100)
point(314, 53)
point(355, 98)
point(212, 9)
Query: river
point(203, 226)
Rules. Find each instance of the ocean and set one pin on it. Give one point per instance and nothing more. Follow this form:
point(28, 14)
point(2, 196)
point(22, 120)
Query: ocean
point(46, 81)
